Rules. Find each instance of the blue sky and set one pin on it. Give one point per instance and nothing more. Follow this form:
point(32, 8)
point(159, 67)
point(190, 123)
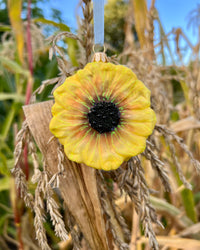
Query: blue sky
point(173, 13)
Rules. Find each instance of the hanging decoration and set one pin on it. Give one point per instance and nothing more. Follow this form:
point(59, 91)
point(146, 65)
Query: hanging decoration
point(102, 114)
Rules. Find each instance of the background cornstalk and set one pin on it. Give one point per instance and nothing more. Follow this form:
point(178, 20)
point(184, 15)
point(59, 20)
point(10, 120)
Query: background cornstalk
point(175, 87)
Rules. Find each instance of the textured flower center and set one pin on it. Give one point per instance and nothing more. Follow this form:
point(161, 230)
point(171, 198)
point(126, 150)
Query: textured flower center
point(104, 116)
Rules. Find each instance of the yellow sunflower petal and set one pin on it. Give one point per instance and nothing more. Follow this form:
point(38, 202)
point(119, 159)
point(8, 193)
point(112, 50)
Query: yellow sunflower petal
point(75, 97)
point(138, 98)
point(140, 122)
point(56, 109)
point(62, 129)
point(75, 145)
point(128, 144)
point(109, 159)
point(140, 116)
point(98, 152)
point(107, 79)
point(90, 154)
point(86, 130)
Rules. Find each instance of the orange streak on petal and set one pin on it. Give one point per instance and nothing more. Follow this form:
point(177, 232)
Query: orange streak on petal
point(75, 144)
point(108, 157)
point(128, 144)
point(141, 115)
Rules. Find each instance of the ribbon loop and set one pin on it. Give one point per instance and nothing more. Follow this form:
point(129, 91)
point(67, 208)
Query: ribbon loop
point(98, 12)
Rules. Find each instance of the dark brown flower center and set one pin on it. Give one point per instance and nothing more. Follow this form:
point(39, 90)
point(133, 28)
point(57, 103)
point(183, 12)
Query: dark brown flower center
point(104, 116)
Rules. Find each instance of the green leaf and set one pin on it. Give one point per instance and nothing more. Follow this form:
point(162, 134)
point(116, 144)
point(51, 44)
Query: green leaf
point(187, 198)
point(72, 44)
point(164, 206)
point(4, 28)
point(4, 183)
point(186, 90)
point(13, 66)
point(3, 219)
point(3, 165)
point(186, 194)
point(4, 146)
point(188, 201)
point(12, 96)
point(72, 50)
point(8, 120)
point(61, 26)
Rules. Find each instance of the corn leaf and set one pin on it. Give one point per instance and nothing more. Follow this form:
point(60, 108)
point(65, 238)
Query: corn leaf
point(61, 26)
point(8, 121)
point(162, 205)
point(186, 194)
point(12, 96)
point(14, 11)
point(72, 50)
point(187, 198)
point(4, 183)
point(174, 242)
point(3, 165)
point(185, 89)
point(4, 28)
point(72, 44)
point(188, 201)
point(140, 16)
point(13, 66)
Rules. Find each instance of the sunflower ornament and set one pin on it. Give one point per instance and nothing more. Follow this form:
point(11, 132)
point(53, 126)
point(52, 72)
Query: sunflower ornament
point(102, 115)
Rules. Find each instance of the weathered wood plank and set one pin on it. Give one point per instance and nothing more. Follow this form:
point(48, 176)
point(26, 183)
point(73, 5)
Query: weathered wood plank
point(79, 187)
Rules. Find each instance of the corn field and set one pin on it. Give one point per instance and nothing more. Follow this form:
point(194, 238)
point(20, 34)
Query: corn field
point(152, 201)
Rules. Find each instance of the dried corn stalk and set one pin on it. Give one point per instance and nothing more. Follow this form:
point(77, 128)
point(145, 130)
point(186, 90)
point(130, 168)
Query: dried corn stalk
point(89, 200)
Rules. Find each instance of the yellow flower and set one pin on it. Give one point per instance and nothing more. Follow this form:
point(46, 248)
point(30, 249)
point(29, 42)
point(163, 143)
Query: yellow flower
point(102, 115)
